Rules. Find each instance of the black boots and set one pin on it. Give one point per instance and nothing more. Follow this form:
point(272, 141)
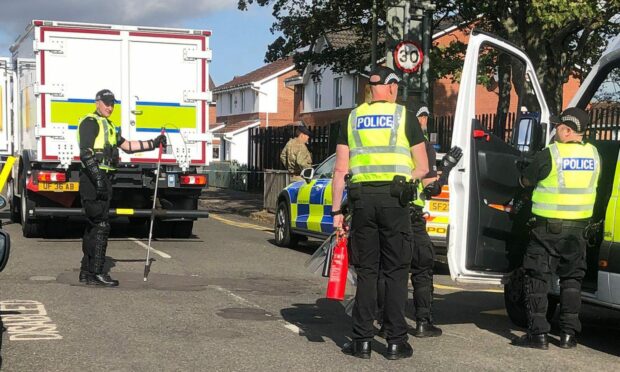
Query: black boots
point(358, 349)
point(540, 341)
point(103, 280)
point(567, 341)
point(85, 276)
point(399, 351)
point(424, 328)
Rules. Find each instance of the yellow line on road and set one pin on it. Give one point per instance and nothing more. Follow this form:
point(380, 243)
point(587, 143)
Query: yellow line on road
point(450, 288)
point(241, 224)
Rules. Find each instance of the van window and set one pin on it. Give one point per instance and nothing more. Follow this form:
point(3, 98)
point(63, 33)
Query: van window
point(504, 96)
point(604, 107)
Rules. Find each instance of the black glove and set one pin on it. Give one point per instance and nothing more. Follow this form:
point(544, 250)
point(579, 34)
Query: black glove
point(96, 175)
point(161, 139)
point(451, 158)
point(432, 189)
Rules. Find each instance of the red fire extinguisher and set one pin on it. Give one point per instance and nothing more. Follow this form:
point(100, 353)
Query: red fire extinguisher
point(338, 271)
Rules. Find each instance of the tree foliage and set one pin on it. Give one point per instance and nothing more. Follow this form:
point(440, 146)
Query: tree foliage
point(561, 37)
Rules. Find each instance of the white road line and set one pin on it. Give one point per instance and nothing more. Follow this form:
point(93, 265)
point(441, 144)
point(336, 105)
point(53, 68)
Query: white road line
point(291, 327)
point(161, 253)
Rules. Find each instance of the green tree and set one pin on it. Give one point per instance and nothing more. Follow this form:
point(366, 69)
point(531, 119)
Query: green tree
point(562, 37)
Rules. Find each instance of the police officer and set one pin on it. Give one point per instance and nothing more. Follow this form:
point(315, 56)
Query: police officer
point(295, 156)
point(564, 177)
point(99, 141)
point(423, 259)
point(382, 147)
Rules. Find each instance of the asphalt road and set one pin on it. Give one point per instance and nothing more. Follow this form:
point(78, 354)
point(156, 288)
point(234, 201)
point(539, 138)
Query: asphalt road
point(230, 300)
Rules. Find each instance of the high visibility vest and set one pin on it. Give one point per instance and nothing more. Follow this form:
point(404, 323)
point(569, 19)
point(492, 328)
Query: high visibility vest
point(418, 201)
point(378, 146)
point(569, 191)
point(105, 142)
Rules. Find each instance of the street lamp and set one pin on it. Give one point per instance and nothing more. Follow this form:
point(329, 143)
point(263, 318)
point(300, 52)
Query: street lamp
point(256, 88)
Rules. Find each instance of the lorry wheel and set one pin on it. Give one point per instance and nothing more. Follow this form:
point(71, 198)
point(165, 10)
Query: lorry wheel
point(13, 202)
point(182, 229)
point(30, 228)
point(282, 228)
point(514, 298)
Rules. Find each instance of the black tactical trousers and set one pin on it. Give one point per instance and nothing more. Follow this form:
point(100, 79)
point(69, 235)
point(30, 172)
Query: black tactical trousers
point(381, 238)
point(422, 264)
point(95, 241)
point(560, 249)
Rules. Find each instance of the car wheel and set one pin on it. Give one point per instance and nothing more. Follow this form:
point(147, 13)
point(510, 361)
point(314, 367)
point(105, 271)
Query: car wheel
point(514, 298)
point(30, 228)
point(13, 202)
point(282, 228)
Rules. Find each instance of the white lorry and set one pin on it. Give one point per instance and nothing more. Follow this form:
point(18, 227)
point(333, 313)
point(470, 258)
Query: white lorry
point(160, 79)
point(6, 145)
point(487, 238)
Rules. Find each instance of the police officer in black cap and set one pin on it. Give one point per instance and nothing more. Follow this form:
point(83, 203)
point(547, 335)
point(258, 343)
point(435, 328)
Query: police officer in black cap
point(564, 177)
point(382, 146)
point(99, 140)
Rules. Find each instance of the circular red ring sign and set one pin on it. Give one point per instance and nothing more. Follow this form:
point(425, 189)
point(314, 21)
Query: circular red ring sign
point(408, 56)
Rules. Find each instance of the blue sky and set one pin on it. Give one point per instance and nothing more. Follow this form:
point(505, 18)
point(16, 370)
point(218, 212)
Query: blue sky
point(239, 40)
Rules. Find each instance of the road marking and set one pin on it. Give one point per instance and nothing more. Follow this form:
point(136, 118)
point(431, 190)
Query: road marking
point(161, 253)
point(501, 311)
point(27, 320)
point(450, 288)
point(241, 224)
point(290, 326)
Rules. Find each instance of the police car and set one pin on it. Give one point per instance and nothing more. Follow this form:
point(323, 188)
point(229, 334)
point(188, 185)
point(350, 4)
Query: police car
point(304, 208)
point(487, 237)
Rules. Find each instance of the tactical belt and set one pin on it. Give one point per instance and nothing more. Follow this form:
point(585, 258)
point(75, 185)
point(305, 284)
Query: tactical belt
point(541, 221)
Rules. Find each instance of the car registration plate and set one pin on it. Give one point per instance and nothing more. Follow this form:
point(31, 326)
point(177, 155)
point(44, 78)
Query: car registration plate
point(59, 186)
point(439, 206)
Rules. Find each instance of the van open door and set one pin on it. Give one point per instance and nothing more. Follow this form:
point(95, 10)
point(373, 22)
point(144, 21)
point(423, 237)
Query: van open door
point(500, 122)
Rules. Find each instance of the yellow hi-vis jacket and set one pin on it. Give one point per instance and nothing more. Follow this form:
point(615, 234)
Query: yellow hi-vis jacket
point(569, 191)
point(104, 142)
point(379, 148)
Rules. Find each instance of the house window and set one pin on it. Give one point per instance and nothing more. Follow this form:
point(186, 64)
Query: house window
point(302, 97)
point(216, 153)
point(230, 101)
point(242, 101)
point(338, 92)
point(317, 94)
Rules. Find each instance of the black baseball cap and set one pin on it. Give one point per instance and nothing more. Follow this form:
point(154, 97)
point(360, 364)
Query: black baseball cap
point(574, 118)
point(301, 127)
point(106, 96)
point(382, 75)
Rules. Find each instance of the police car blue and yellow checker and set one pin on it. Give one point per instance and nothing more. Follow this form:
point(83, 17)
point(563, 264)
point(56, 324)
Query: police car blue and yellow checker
point(311, 205)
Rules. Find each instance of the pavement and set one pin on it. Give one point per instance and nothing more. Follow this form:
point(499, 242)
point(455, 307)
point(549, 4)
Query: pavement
point(229, 201)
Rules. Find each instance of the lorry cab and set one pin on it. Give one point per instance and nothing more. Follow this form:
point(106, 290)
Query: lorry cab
point(501, 121)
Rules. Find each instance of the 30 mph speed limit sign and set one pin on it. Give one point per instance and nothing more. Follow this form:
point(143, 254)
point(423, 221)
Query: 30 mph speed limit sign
point(408, 56)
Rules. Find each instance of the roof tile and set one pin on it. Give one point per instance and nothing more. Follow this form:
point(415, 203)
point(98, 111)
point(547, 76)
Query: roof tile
point(258, 74)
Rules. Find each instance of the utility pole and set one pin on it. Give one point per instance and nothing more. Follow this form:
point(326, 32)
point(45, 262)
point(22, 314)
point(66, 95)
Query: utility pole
point(411, 21)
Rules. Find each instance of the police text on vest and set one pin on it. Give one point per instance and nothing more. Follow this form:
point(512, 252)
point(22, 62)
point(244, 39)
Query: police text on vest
point(578, 164)
point(375, 122)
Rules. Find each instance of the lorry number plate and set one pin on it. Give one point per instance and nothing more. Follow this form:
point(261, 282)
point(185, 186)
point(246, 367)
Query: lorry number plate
point(439, 206)
point(59, 187)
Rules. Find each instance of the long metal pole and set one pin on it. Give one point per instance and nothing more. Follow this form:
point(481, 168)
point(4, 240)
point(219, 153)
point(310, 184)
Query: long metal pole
point(147, 264)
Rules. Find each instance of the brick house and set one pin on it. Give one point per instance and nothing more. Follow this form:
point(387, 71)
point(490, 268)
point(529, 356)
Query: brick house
point(258, 98)
point(330, 97)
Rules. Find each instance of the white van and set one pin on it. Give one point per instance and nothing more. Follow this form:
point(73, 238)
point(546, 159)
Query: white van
point(486, 240)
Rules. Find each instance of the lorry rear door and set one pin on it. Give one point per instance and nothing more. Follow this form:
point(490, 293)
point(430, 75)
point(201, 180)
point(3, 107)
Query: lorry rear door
point(6, 145)
point(499, 92)
point(168, 74)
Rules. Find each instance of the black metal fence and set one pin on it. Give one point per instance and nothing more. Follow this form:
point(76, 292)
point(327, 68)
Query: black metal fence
point(265, 144)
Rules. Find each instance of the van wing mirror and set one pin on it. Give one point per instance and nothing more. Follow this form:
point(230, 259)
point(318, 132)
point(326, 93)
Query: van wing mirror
point(527, 134)
point(5, 248)
point(307, 174)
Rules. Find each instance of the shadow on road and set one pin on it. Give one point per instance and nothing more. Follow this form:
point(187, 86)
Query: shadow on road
point(321, 321)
